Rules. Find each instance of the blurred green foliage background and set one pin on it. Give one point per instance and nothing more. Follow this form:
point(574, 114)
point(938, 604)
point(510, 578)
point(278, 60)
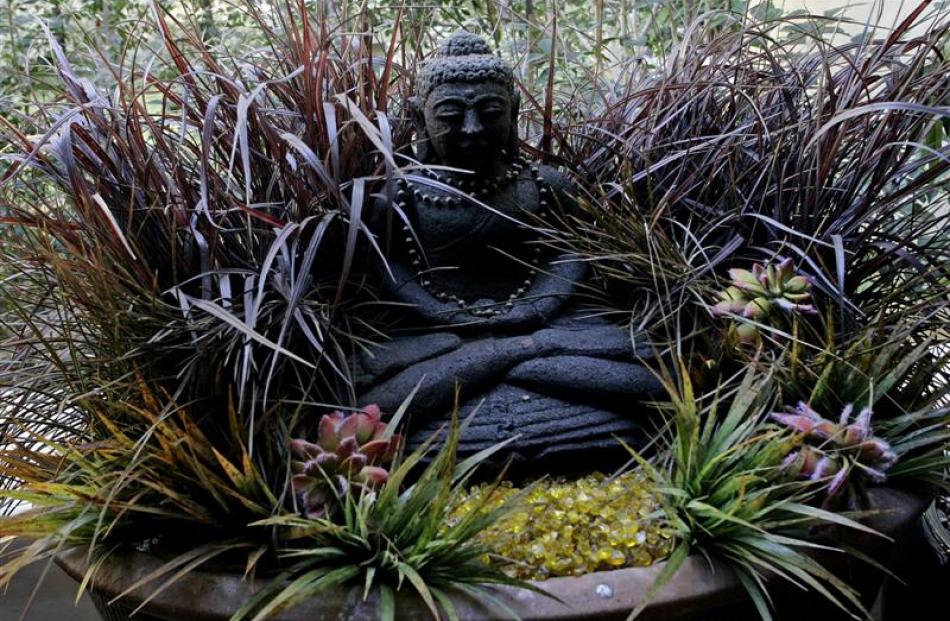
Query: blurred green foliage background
point(591, 35)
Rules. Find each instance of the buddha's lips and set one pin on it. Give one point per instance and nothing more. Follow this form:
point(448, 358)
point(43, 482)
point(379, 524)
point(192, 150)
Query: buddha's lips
point(478, 145)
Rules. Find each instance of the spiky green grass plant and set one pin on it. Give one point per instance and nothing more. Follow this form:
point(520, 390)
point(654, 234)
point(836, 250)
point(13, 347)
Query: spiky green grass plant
point(201, 504)
point(729, 496)
point(154, 477)
point(400, 535)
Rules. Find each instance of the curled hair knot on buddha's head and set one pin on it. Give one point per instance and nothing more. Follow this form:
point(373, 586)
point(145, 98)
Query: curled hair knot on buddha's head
point(464, 72)
point(464, 57)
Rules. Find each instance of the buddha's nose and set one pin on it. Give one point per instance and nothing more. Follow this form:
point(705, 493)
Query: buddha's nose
point(472, 124)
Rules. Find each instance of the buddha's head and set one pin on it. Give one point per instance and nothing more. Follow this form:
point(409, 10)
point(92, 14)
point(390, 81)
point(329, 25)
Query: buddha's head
point(465, 109)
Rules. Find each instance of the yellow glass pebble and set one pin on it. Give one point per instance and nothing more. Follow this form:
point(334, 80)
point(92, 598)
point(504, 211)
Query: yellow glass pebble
point(617, 558)
point(565, 528)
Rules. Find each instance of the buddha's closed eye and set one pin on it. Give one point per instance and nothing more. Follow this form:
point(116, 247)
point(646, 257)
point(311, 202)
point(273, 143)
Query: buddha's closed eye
point(491, 111)
point(450, 113)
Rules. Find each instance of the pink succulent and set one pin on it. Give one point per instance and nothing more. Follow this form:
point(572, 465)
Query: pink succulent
point(838, 446)
point(347, 457)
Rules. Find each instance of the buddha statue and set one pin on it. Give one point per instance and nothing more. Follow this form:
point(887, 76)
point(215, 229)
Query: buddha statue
point(489, 308)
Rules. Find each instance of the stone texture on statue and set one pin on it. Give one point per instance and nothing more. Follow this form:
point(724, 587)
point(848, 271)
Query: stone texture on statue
point(490, 308)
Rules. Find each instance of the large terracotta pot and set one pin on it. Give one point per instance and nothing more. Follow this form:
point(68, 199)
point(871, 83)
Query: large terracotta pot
point(697, 591)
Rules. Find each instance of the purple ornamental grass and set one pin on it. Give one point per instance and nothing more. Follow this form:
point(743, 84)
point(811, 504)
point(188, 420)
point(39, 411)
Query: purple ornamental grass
point(762, 139)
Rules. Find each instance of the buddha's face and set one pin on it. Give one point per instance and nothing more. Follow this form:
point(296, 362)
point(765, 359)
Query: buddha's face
point(469, 125)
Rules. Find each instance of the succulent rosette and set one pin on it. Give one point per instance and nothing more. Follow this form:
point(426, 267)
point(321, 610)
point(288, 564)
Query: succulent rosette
point(348, 457)
point(834, 448)
point(756, 295)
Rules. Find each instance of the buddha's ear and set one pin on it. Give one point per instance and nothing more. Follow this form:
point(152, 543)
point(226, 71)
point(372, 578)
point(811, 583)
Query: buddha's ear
point(513, 141)
point(417, 113)
point(418, 118)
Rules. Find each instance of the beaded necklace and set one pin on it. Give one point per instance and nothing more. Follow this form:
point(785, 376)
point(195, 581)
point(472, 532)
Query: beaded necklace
point(476, 190)
point(474, 187)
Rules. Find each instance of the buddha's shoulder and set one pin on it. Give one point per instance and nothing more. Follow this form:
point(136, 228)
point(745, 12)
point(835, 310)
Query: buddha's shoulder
point(554, 178)
point(559, 183)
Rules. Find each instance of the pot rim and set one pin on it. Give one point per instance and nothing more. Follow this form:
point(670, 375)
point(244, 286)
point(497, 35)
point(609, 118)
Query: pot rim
point(697, 585)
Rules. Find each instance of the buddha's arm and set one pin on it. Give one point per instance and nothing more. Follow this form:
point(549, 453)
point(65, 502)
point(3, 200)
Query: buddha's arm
point(553, 286)
point(439, 363)
point(544, 299)
point(406, 288)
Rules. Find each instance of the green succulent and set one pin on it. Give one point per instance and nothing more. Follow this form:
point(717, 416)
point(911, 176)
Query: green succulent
point(757, 295)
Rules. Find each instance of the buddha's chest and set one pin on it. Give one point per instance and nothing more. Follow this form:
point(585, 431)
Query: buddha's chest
point(450, 228)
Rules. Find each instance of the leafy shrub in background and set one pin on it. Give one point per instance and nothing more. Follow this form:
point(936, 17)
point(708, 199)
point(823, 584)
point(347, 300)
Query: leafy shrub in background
point(599, 34)
point(729, 496)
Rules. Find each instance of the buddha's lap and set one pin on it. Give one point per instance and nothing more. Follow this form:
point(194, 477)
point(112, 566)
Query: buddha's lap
point(568, 387)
